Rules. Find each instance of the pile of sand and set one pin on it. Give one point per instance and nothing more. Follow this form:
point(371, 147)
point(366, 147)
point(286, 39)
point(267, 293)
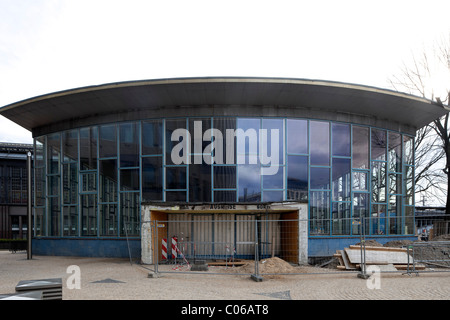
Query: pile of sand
point(270, 265)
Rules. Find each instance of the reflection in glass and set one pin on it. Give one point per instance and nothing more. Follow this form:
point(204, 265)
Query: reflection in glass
point(408, 143)
point(70, 221)
point(395, 214)
point(378, 181)
point(395, 152)
point(320, 140)
point(360, 147)
point(107, 141)
point(320, 178)
point(247, 141)
point(319, 213)
point(409, 185)
point(129, 179)
point(272, 196)
point(108, 219)
point(224, 177)
point(176, 178)
point(53, 152)
point(39, 152)
point(360, 181)
point(395, 183)
point(199, 183)
point(70, 183)
point(360, 210)
point(341, 139)
point(224, 196)
point(341, 179)
point(152, 137)
point(152, 179)
point(54, 216)
point(379, 219)
point(297, 136)
point(108, 180)
point(88, 148)
point(129, 145)
point(229, 140)
point(70, 145)
point(171, 126)
point(297, 178)
point(249, 184)
point(129, 214)
point(275, 181)
point(378, 144)
point(88, 214)
point(341, 218)
point(271, 147)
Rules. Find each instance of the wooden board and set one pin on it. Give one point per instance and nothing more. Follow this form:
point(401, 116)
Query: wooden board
point(380, 248)
point(347, 263)
point(378, 257)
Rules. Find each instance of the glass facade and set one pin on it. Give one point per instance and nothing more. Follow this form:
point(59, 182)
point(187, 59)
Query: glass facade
point(90, 182)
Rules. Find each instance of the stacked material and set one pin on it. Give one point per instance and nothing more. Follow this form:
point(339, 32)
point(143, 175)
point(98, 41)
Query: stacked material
point(350, 258)
point(51, 288)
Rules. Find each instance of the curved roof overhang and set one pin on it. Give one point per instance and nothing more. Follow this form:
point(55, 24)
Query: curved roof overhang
point(223, 96)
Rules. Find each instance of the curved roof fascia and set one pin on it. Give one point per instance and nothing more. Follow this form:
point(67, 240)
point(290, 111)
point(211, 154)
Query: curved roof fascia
point(133, 100)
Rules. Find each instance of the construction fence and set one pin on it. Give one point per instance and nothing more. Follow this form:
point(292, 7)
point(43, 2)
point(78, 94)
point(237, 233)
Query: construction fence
point(263, 246)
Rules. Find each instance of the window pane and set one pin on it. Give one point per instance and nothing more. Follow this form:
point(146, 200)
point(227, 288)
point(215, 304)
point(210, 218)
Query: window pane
point(53, 152)
point(225, 196)
point(39, 152)
point(70, 221)
point(408, 144)
point(88, 148)
point(409, 185)
point(229, 141)
point(249, 183)
point(395, 183)
point(341, 218)
point(89, 214)
point(70, 145)
point(360, 181)
point(248, 141)
point(341, 139)
point(395, 152)
point(152, 179)
point(129, 214)
point(395, 214)
point(274, 181)
point(224, 177)
point(108, 141)
point(409, 220)
point(175, 196)
point(39, 222)
point(53, 185)
point(272, 146)
point(379, 181)
point(297, 136)
point(176, 178)
point(108, 220)
point(171, 126)
point(360, 147)
point(319, 213)
point(341, 179)
point(54, 217)
point(273, 196)
point(320, 178)
point(70, 183)
point(320, 139)
point(129, 179)
point(39, 186)
point(197, 127)
point(297, 178)
point(199, 183)
point(108, 180)
point(360, 209)
point(378, 219)
point(152, 137)
point(378, 144)
point(129, 145)
point(89, 181)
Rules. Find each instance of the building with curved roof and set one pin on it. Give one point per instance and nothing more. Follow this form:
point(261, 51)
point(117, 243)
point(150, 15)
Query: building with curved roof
point(329, 159)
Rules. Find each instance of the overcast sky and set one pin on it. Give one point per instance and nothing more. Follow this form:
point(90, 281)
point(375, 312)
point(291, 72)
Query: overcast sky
point(53, 45)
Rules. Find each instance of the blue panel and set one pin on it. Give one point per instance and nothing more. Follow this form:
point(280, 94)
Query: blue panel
point(326, 247)
point(100, 248)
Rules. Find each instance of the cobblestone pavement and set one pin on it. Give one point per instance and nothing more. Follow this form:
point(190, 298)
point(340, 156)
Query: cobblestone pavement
point(113, 279)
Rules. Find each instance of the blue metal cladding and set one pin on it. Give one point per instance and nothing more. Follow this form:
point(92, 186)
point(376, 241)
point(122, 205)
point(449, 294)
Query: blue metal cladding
point(90, 182)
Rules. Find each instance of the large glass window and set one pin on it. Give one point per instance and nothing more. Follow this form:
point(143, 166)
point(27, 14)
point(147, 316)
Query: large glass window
point(129, 145)
point(108, 141)
point(152, 137)
point(320, 139)
point(297, 178)
point(379, 142)
point(249, 183)
point(152, 189)
point(341, 179)
point(297, 136)
point(88, 148)
point(360, 147)
point(341, 139)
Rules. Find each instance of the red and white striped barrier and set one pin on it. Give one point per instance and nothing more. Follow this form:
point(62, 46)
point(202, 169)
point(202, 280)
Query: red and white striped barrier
point(164, 249)
point(174, 247)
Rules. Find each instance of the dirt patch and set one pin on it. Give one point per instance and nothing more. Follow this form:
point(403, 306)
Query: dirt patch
point(398, 243)
point(371, 243)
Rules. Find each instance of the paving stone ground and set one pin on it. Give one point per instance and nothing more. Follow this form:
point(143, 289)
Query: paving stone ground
point(118, 279)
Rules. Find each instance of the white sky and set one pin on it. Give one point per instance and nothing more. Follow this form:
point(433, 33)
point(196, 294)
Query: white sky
point(51, 45)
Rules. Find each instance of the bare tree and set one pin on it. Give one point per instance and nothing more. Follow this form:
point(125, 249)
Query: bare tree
point(424, 77)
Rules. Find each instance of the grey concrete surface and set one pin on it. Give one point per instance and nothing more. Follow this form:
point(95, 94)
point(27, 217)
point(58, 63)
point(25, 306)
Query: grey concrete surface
point(118, 279)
